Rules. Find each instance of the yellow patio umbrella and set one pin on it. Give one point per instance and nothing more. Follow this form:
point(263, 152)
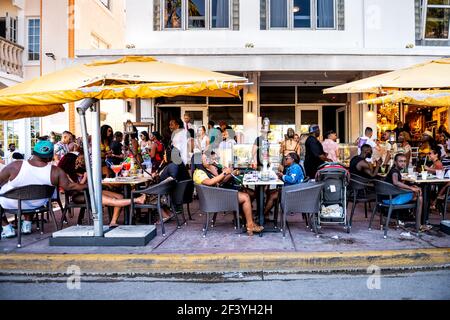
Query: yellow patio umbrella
point(428, 75)
point(128, 77)
point(125, 78)
point(431, 98)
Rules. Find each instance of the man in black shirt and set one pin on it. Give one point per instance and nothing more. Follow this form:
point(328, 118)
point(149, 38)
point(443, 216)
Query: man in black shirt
point(360, 166)
point(314, 154)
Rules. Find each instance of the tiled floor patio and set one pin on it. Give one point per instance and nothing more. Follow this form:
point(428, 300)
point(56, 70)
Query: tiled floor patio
point(223, 239)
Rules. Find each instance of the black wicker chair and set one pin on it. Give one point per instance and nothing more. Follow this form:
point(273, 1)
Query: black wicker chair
point(362, 191)
point(180, 196)
point(213, 200)
point(27, 193)
point(387, 191)
point(71, 204)
point(163, 188)
point(304, 198)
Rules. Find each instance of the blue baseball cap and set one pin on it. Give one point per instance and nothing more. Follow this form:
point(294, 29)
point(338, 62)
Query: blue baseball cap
point(313, 128)
point(43, 149)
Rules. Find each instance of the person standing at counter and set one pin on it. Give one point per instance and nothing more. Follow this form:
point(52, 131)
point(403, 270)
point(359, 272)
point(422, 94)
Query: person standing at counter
point(366, 139)
point(314, 156)
point(289, 144)
point(226, 147)
point(330, 146)
point(214, 135)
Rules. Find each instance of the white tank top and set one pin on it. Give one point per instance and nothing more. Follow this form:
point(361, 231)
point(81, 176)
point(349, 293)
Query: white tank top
point(28, 175)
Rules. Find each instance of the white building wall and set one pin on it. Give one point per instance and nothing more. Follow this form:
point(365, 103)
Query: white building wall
point(368, 24)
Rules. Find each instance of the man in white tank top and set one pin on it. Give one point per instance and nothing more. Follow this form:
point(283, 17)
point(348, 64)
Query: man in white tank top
point(36, 171)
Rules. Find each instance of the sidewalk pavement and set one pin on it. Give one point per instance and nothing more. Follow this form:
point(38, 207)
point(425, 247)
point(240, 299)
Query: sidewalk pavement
point(184, 251)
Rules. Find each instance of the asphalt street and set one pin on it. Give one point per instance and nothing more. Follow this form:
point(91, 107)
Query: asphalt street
point(401, 286)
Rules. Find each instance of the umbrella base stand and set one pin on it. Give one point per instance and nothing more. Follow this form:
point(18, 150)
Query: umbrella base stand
point(79, 236)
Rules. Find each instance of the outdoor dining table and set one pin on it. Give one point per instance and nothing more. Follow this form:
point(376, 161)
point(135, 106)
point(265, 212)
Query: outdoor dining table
point(126, 183)
point(259, 189)
point(425, 185)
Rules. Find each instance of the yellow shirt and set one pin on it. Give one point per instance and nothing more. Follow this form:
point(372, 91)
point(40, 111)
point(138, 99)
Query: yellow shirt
point(199, 176)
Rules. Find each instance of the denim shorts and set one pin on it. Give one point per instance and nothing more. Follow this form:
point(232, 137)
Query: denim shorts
point(401, 199)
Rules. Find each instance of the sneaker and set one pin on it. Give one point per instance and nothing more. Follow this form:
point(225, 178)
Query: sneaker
point(26, 227)
point(8, 231)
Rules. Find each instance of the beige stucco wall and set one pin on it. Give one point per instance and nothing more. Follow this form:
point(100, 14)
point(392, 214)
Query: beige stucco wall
point(6, 6)
point(92, 17)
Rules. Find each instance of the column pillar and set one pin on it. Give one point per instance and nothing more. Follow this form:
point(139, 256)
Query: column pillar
point(251, 107)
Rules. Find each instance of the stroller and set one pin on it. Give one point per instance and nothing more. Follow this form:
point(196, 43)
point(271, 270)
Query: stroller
point(334, 195)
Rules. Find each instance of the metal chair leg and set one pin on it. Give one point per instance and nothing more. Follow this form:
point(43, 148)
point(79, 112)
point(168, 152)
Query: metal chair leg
point(372, 216)
point(365, 209)
point(205, 227)
point(19, 228)
point(189, 212)
point(214, 220)
point(161, 220)
point(387, 221)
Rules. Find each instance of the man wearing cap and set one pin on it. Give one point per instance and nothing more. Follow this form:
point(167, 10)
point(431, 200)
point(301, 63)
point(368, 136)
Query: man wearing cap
point(36, 171)
point(314, 154)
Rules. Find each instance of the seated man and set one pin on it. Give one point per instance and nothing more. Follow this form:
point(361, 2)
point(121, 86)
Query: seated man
point(294, 175)
point(36, 171)
point(395, 177)
point(360, 166)
point(205, 173)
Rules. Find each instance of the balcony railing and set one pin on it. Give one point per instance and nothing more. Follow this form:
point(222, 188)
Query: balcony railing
point(11, 57)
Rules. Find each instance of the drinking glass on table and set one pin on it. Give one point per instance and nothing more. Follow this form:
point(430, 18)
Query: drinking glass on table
point(116, 168)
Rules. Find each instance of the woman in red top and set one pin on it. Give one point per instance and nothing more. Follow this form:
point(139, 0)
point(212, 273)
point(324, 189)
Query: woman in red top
point(156, 151)
point(435, 157)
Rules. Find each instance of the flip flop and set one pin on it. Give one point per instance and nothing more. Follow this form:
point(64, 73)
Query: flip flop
point(113, 226)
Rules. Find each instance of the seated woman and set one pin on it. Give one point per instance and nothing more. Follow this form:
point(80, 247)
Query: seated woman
point(395, 177)
point(435, 157)
point(73, 166)
point(294, 175)
point(207, 174)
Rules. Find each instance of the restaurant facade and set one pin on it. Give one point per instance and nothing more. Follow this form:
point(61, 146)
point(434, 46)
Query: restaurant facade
point(290, 51)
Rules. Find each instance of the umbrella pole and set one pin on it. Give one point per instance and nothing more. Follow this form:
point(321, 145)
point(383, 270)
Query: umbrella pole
point(85, 105)
point(97, 169)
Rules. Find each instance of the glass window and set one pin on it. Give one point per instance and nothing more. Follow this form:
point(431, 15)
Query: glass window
point(34, 35)
point(220, 13)
point(315, 95)
point(437, 23)
point(35, 131)
point(197, 14)
point(277, 95)
point(181, 100)
point(279, 114)
point(302, 13)
point(12, 133)
point(172, 14)
point(278, 13)
point(232, 115)
point(325, 14)
point(220, 100)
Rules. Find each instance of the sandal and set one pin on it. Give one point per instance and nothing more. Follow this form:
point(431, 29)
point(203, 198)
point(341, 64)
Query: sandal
point(424, 228)
point(254, 228)
point(112, 226)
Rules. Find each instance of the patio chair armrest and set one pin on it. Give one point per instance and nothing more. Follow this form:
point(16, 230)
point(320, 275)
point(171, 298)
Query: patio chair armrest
point(214, 199)
point(160, 188)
